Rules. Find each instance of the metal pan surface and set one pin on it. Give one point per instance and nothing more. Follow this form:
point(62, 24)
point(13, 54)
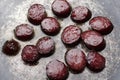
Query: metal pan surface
point(13, 13)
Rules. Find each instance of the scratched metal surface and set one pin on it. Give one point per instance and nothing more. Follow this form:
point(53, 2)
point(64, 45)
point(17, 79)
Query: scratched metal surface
point(13, 12)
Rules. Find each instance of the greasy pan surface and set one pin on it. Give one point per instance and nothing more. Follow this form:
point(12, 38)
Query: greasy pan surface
point(13, 13)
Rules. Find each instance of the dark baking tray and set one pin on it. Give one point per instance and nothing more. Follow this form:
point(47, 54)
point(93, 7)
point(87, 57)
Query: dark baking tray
point(12, 68)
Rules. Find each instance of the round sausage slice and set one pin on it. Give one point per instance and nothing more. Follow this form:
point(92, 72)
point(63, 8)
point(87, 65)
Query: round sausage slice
point(93, 40)
point(50, 26)
point(101, 24)
point(11, 47)
point(30, 54)
point(56, 70)
point(75, 59)
point(71, 35)
point(95, 61)
point(45, 46)
point(24, 32)
point(80, 14)
point(61, 8)
point(36, 14)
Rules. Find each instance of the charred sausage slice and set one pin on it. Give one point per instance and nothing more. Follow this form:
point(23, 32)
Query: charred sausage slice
point(11, 47)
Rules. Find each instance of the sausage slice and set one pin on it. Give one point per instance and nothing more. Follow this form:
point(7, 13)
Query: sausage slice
point(11, 47)
point(95, 61)
point(71, 35)
point(81, 14)
point(56, 70)
point(45, 46)
point(75, 59)
point(61, 8)
point(93, 40)
point(30, 54)
point(24, 32)
point(36, 14)
point(101, 24)
point(50, 26)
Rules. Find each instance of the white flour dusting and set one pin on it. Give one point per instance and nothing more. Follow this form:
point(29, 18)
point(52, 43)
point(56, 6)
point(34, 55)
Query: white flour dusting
point(25, 72)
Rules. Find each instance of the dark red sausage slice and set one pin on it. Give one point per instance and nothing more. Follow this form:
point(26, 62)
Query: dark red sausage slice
point(50, 26)
point(80, 14)
point(61, 8)
point(36, 14)
point(11, 47)
point(56, 70)
point(96, 62)
point(30, 54)
point(76, 59)
point(93, 40)
point(24, 32)
point(71, 35)
point(45, 46)
point(101, 24)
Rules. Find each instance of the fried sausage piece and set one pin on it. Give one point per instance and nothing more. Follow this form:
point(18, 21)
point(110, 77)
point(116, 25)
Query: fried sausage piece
point(56, 70)
point(101, 24)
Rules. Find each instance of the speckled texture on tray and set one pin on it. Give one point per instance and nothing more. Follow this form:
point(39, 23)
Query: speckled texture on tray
point(13, 13)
